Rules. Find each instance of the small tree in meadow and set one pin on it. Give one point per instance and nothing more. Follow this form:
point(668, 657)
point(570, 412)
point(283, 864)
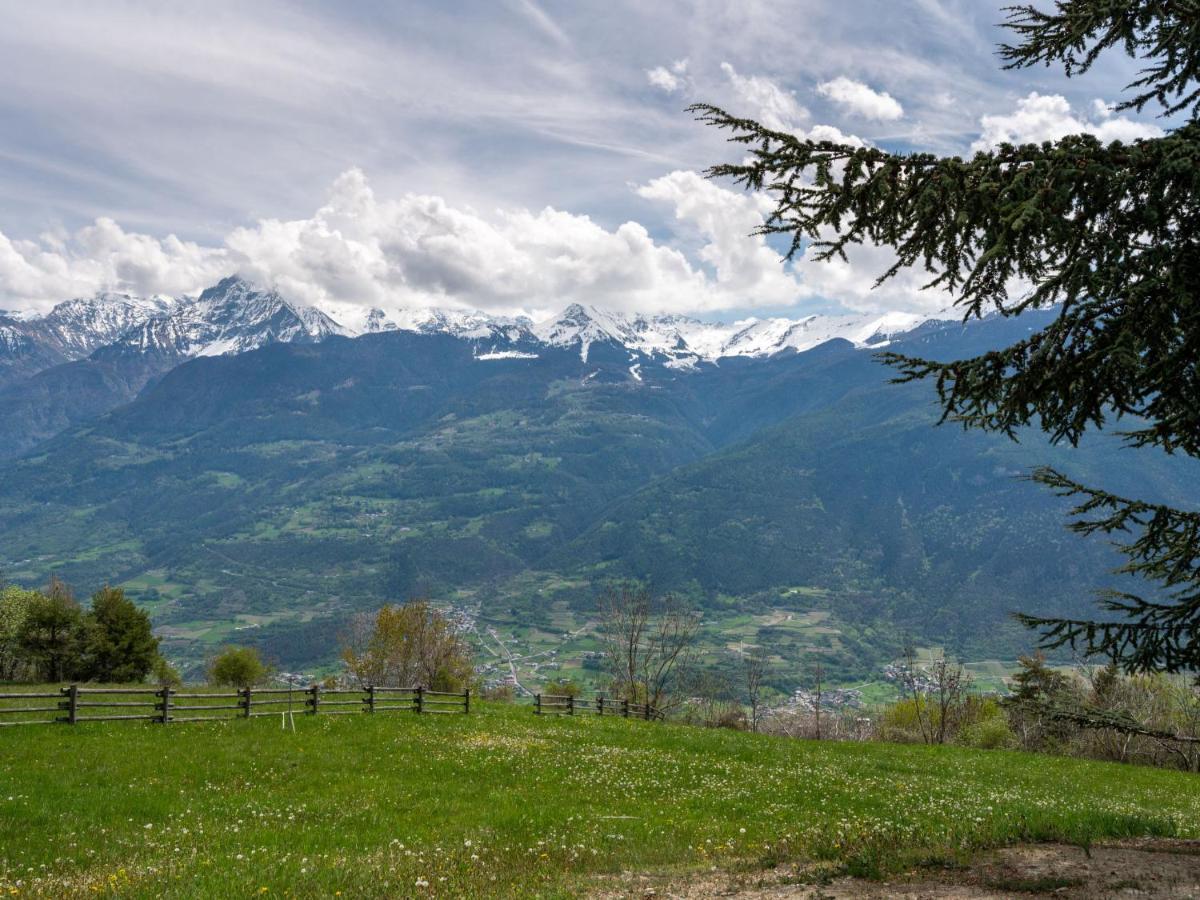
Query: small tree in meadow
point(120, 646)
point(413, 645)
point(14, 608)
point(51, 635)
point(163, 673)
point(239, 667)
point(647, 642)
point(754, 667)
point(562, 687)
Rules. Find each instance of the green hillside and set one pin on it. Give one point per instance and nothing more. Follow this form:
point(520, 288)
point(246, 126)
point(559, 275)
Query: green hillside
point(264, 497)
point(504, 804)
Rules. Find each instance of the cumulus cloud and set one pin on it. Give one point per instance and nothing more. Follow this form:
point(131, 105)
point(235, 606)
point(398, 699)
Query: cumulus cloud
point(860, 100)
point(359, 250)
point(852, 282)
point(774, 107)
point(742, 265)
point(419, 250)
point(102, 256)
point(669, 80)
point(778, 109)
point(1048, 117)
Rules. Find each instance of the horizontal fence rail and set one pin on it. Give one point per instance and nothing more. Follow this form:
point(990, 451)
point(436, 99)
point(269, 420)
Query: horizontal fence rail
point(566, 705)
point(75, 703)
point(30, 703)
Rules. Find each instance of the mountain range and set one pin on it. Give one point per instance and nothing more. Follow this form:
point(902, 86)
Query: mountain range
point(255, 470)
point(87, 356)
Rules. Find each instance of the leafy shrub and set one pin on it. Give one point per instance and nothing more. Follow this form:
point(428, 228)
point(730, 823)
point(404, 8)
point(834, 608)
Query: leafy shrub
point(899, 723)
point(992, 733)
point(164, 673)
point(414, 645)
point(562, 687)
point(239, 667)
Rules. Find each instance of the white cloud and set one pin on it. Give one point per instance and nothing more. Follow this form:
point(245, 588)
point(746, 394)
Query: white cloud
point(779, 110)
point(852, 282)
point(774, 107)
point(860, 100)
point(1048, 117)
point(419, 250)
point(672, 79)
point(358, 250)
point(663, 78)
point(743, 265)
point(36, 274)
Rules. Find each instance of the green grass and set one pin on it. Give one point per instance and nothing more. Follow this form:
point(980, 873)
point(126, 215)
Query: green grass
point(505, 804)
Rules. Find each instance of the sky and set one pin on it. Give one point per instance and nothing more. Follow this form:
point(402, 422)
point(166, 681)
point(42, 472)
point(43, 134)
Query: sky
point(512, 156)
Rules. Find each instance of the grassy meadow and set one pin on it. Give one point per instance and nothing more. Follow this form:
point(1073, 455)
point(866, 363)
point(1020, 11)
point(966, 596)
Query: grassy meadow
point(503, 803)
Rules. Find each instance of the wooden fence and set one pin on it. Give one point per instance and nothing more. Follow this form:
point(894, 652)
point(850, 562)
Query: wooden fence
point(74, 704)
point(563, 705)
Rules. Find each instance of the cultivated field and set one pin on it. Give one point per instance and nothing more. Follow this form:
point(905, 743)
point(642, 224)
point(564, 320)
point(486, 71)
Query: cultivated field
point(505, 803)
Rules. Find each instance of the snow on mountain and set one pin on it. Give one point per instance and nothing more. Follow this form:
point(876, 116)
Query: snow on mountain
point(466, 324)
point(230, 317)
point(235, 316)
point(80, 326)
point(74, 328)
point(12, 337)
point(681, 341)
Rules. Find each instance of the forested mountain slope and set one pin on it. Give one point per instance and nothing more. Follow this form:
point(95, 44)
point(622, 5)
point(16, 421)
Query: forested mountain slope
point(297, 482)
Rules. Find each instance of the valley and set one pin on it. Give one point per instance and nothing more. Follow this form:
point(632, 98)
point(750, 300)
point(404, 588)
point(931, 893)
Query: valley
point(797, 499)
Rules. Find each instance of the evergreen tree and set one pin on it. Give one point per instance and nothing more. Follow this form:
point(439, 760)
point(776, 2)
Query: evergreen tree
point(52, 633)
point(1035, 681)
point(121, 647)
point(1107, 236)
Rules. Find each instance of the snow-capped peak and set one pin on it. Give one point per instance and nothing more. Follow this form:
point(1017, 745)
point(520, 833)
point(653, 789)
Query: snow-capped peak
point(231, 317)
point(679, 341)
point(235, 315)
point(586, 325)
point(686, 341)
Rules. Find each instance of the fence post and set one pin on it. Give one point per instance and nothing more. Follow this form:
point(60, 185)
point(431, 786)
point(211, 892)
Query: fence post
point(72, 707)
point(600, 705)
point(537, 704)
point(570, 704)
point(467, 702)
point(420, 707)
point(314, 698)
point(370, 698)
point(245, 699)
point(646, 710)
point(625, 707)
point(164, 705)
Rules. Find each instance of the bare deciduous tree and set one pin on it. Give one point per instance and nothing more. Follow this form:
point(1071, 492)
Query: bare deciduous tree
point(646, 641)
point(938, 691)
point(755, 667)
point(818, 691)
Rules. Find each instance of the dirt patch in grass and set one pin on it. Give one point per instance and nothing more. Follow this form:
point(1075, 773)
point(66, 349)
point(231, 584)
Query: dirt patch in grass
point(1127, 869)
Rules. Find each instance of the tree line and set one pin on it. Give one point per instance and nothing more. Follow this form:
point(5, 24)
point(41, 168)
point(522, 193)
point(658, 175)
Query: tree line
point(47, 635)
